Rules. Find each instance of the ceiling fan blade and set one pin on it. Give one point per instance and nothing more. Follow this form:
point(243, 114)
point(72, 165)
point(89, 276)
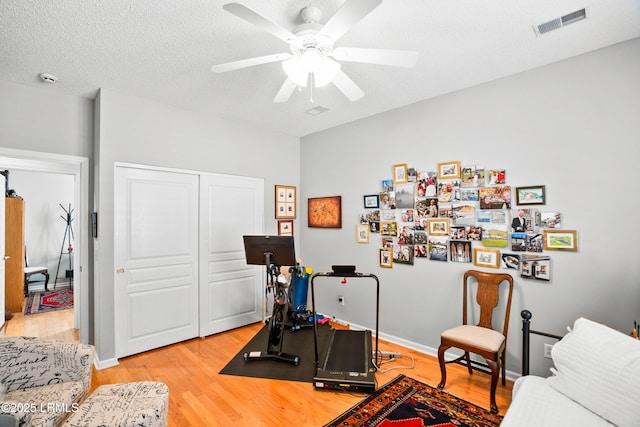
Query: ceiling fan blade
point(347, 86)
point(250, 62)
point(347, 16)
point(397, 58)
point(253, 17)
point(285, 91)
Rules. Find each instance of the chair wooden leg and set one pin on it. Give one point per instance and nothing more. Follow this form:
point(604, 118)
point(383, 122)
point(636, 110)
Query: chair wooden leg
point(504, 367)
point(46, 281)
point(443, 369)
point(495, 372)
point(468, 358)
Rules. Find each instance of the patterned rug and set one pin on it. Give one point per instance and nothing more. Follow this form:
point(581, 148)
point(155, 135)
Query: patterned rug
point(45, 301)
point(405, 402)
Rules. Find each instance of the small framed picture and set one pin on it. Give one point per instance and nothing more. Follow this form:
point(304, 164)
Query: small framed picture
point(560, 240)
point(388, 228)
point(400, 174)
point(285, 227)
point(372, 201)
point(438, 227)
point(386, 258)
point(449, 170)
point(285, 202)
point(533, 195)
point(483, 257)
point(362, 233)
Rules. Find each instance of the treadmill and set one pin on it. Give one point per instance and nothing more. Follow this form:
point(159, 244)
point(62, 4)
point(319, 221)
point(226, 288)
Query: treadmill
point(347, 362)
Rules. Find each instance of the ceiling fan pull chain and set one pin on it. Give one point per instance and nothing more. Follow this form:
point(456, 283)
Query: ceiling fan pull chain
point(311, 85)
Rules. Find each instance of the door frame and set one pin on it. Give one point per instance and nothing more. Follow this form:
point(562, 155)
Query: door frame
point(78, 167)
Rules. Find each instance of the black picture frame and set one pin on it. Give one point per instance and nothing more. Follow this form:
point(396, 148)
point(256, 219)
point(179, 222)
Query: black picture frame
point(532, 195)
point(371, 201)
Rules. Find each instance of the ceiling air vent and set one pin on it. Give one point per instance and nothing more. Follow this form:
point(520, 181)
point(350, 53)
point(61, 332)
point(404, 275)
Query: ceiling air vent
point(554, 24)
point(316, 110)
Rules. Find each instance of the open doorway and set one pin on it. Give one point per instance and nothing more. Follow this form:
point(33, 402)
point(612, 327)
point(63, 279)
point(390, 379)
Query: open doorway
point(40, 178)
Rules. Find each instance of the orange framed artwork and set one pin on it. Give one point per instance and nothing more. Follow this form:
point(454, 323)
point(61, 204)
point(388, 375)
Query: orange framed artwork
point(325, 212)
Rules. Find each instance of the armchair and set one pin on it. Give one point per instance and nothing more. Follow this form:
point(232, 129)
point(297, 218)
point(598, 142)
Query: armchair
point(42, 380)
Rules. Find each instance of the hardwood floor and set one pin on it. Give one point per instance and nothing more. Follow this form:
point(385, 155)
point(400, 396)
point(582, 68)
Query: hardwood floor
point(199, 396)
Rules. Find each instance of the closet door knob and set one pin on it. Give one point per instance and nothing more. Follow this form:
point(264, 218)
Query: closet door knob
point(6, 257)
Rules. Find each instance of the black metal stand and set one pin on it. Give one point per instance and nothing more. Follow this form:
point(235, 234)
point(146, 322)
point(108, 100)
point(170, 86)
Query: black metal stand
point(66, 239)
point(280, 289)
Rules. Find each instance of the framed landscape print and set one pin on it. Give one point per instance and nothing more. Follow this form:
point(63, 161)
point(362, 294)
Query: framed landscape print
point(438, 227)
point(325, 212)
point(483, 257)
point(560, 240)
point(533, 195)
point(372, 201)
point(285, 202)
point(449, 170)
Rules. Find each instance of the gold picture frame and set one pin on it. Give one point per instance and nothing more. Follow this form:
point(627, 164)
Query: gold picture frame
point(400, 174)
point(388, 228)
point(438, 227)
point(483, 257)
point(285, 196)
point(449, 170)
point(362, 233)
point(560, 240)
point(386, 258)
point(325, 212)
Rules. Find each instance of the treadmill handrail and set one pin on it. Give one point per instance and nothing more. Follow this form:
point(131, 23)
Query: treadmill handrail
point(313, 307)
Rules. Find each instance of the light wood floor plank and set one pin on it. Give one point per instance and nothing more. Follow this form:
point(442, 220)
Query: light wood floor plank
point(200, 396)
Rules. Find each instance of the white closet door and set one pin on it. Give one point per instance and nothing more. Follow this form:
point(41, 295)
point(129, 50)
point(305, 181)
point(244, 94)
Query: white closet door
point(155, 258)
point(231, 292)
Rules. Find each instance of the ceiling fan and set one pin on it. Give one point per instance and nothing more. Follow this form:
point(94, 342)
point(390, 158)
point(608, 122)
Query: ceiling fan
point(313, 59)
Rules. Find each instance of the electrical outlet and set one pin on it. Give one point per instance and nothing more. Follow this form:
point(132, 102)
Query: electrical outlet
point(547, 350)
point(341, 300)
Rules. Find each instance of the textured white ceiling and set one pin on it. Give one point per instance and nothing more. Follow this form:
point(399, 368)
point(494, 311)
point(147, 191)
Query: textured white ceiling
point(163, 50)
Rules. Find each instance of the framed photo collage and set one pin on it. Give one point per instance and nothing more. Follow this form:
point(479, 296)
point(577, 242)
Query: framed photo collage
point(464, 214)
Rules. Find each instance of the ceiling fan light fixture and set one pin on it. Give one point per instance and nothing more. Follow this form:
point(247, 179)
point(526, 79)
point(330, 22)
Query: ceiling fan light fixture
point(326, 73)
point(311, 60)
point(294, 70)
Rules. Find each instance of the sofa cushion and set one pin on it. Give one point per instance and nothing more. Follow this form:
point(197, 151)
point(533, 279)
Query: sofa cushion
point(599, 368)
point(48, 405)
point(536, 404)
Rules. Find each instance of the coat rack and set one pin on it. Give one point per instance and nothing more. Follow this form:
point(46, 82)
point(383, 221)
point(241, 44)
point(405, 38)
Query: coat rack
point(67, 240)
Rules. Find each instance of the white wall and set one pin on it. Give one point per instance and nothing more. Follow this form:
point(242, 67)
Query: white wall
point(573, 126)
point(134, 130)
point(45, 120)
point(44, 228)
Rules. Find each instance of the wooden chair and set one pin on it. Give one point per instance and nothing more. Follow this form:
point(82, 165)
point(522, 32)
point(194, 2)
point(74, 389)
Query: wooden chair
point(481, 339)
point(30, 271)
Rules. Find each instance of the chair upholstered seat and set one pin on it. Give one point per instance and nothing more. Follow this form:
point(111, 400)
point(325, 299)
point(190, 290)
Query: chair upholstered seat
point(476, 336)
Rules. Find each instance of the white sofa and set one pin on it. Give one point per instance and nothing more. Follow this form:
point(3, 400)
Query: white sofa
point(595, 382)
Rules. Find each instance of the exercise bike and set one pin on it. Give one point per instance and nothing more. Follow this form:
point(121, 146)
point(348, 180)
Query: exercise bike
point(281, 312)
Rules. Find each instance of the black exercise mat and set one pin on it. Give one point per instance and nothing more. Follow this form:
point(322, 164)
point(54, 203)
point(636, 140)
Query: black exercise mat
point(298, 343)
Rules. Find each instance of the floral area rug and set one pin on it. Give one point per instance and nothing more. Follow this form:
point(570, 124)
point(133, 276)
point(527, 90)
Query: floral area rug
point(45, 301)
point(405, 402)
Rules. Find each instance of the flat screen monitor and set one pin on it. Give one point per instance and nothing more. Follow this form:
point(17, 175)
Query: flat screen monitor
point(280, 248)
